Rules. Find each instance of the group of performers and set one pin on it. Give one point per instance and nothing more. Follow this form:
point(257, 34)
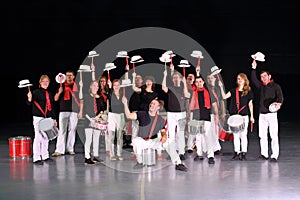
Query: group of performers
point(181, 115)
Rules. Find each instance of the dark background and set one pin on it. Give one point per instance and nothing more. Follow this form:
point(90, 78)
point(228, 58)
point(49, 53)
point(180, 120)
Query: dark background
point(41, 37)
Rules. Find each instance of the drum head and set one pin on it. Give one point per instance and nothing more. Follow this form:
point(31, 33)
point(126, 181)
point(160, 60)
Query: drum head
point(46, 124)
point(235, 120)
point(272, 107)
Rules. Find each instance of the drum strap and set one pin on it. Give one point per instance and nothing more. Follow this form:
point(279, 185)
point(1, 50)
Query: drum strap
point(39, 107)
point(237, 97)
point(153, 126)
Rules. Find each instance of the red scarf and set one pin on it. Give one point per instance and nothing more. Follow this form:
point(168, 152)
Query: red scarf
point(68, 89)
point(95, 105)
point(264, 84)
point(48, 104)
point(194, 105)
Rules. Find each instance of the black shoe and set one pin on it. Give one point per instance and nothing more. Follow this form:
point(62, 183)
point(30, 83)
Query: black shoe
point(243, 157)
point(190, 151)
point(182, 157)
point(97, 160)
point(218, 152)
point(211, 160)
point(181, 167)
point(138, 166)
point(273, 160)
point(198, 158)
point(261, 157)
point(48, 160)
point(38, 162)
point(89, 162)
point(236, 156)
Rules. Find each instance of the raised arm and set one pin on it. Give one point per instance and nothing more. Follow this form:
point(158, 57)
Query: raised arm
point(164, 82)
point(128, 114)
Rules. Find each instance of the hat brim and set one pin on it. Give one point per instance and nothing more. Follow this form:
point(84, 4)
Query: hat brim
point(84, 70)
point(122, 56)
point(25, 85)
point(62, 80)
point(258, 59)
point(184, 65)
point(94, 55)
point(196, 56)
point(126, 85)
point(138, 61)
point(216, 72)
point(167, 60)
point(109, 68)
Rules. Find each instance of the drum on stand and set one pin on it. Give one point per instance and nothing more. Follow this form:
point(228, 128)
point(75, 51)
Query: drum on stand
point(47, 125)
point(20, 147)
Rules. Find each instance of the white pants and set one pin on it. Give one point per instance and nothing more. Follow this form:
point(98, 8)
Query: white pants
point(40, 141)
point(67, 132)
point(91, 135)
point(177, 138)
point(215, 131)
point(205, 141)
point(270, 121)
point(116, 123)
point(240, 140)
point(139, 144)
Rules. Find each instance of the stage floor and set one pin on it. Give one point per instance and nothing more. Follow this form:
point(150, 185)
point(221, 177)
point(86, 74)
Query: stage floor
point(68, 178)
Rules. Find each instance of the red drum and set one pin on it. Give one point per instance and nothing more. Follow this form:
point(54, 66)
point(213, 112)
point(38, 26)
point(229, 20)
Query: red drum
point(20, 147)
point(225, 133)
point(224, 136)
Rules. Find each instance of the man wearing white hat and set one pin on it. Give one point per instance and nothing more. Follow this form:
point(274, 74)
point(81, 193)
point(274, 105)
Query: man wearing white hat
point(70, 110)
point(269, 92)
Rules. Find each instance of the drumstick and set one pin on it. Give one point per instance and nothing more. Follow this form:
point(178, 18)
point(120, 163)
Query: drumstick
point(183, 71)
point(80, 89)
point(133, 67)
point(60, 80)
point(124, 91)
point(251, 126)
point(28, 88)
point(108, 75)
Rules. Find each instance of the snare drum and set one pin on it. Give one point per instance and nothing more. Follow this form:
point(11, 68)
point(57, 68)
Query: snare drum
point(196, 127)
point(272, 107)
point(47, 125)
point(236, 123)
point(20, 147)
point(99, 125)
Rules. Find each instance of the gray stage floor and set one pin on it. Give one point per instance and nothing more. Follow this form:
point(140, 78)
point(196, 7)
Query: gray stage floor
point(68, 178)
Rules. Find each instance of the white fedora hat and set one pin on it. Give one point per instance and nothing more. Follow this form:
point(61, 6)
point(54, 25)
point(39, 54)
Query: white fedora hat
point(122, 54)
point(184, 63)
point(84, 68)
point(215, 70)
point(126, 82)
point(60, 78)
point(92, 54)
point(109, 66)
point(197, 54)
point(165, 58)
point(136, 59)
point(258, 56)
point(170, 53)
point(24, 83)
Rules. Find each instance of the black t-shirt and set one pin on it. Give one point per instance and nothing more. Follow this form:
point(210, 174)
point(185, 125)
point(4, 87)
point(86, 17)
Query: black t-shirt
point(244, 101)
point(145, 123)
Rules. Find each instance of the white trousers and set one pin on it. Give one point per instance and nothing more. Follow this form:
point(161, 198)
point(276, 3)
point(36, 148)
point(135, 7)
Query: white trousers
point(268, 121)
point(240, 140)
point(215, 131)
point(139, 144)
point(40, 142)
point(67, 132)
point(91, 135)
point(116, 123)
point(177, 119)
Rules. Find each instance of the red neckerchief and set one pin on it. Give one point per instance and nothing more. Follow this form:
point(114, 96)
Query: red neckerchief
point(194, 105)
point(48, 103)
point(68, 89)
point(95, 105)
point(103, 95)
point(267, 83)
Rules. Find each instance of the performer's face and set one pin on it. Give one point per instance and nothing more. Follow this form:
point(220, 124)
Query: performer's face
point(154, 106)
point(199, 82)
point(265, 77)
point(44, 83)
point(69, 77)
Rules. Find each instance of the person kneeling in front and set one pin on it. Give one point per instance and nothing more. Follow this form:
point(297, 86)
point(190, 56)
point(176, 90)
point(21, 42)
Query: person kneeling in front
point(151, 133)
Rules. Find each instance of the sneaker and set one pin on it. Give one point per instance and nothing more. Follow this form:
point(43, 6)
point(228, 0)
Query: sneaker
point(138, 166)
point(113, 158)
point(48, 160)
point(88, 162)
point(198, 158)
point(120, 158)
point(261, 157)
point(159, 157)
point(72, 153)
point(56, 154)
point(211, 160)
point(181, 167)
point(243, 157)
point(273, 160)
point(190, 151)
point(182, 157)
point(38, 162)
point(97, 160)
